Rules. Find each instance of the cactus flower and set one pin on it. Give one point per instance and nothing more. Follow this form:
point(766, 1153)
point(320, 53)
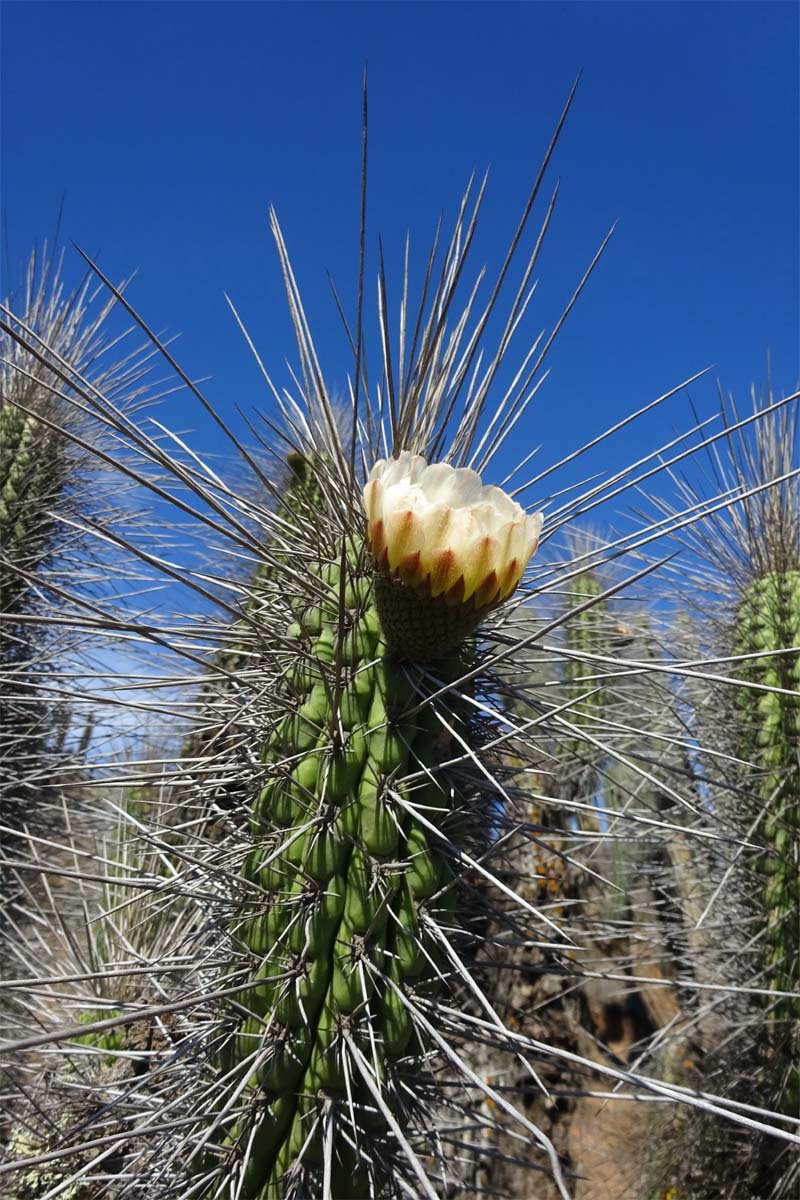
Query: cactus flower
point(449, 541)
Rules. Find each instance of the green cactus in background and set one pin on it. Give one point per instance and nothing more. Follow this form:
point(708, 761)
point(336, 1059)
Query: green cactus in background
point(111, 1039)
point(627, 798)
point(585, 751)
point(740, 611)
point(587, 632)
point(575, 762)
point(31, 461)
point(41, 464)
point(45, 493)
point(768, 623)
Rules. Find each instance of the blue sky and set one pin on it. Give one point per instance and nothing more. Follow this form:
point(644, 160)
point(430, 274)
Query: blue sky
point(169, 128)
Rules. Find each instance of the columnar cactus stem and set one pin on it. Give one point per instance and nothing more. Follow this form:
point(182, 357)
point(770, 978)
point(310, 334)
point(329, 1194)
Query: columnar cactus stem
point(585, 632)
point(354, 834)
point(769, 624)
point(41, 470)
point(29, 456)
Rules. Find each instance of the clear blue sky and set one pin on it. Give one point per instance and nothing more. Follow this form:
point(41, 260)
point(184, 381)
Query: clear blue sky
point(170, 127)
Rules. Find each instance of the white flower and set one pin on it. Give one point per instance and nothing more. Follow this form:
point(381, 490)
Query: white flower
point(440, 530)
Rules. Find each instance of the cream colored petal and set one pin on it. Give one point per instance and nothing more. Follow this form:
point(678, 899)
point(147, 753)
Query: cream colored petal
point(485, 518)
point(465, 487)
point(438, 483)
point(437, 533)
point(534, 530)
point(480, 561)
point(373, 499)
point(509, 540)
point(447, 570)
point(407, 467)
point(461, 531)
point(403, 535)
point(520, 546)
point(506, 508)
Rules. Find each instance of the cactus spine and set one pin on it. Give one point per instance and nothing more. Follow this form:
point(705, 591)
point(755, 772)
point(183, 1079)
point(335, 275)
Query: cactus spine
point(214, 745)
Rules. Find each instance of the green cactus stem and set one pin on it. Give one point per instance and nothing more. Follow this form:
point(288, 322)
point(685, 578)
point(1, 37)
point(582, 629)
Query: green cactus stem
point(768, 623)
point(585, 633)
point(30, 466)
point(339, 883)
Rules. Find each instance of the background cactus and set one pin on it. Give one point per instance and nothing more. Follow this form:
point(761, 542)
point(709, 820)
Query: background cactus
point(605, 812)
point(51, 487)
point(744, 618)
point(585, 633)
point(768, 622)
point(217, 749)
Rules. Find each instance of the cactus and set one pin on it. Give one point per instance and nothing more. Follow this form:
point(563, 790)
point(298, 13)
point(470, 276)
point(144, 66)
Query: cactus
point(589, 748)
point(28, 463)
point(30, 458)
point(584, 633)
point(761, 626)
point(353, 862)
point(741, 612)
point(768, 623)
point(213, 748)
point(310, 976)
point(42, 462)
point(49, 484)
